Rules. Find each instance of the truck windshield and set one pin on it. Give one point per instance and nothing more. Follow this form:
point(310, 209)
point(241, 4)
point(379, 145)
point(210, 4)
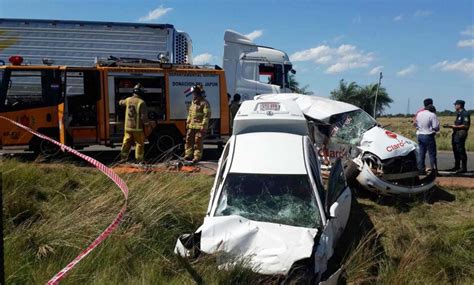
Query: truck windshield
point(282, 199)
point(270, 73)
point(348, 128)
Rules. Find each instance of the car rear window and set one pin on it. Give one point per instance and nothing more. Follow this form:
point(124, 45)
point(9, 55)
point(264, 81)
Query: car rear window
point(282, 199)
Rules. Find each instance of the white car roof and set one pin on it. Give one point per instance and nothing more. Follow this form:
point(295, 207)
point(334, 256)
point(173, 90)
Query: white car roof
point(268, 153)
point(316, 107)
point(254, 117)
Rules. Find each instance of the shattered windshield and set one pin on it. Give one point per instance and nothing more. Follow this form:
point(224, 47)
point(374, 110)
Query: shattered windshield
point(348, 128)
point(282, 199)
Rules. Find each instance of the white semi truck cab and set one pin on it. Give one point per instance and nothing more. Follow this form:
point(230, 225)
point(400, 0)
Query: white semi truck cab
point(252, 69)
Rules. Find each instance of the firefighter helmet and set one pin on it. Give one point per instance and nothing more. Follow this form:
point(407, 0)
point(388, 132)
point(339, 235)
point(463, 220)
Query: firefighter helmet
point(198, 89)
point(138, 89)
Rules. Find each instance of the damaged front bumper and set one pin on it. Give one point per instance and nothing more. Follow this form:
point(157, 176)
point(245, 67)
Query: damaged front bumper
point(271, 248)
point(378, 185)
point(265, 248)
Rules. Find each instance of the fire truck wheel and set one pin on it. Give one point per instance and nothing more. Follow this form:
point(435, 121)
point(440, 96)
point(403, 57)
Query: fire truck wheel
point(44, 147)
point(48, 149)
point(165, 140)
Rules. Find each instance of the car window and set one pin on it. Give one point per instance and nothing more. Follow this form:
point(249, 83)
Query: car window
point(282, 199)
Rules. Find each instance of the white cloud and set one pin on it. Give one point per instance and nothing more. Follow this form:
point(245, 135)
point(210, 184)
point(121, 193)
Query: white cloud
point(423, 13)
point(254, 35)
point(464, 65)
point(469, 31)
point(342, 58)
point(466, 43)
point(398, 18)
point(408, 70)
point(204, 58)
point(155, 14)
point(376, 70)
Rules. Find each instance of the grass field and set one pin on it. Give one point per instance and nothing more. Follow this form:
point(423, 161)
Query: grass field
point(404, 127)
point(51, 213)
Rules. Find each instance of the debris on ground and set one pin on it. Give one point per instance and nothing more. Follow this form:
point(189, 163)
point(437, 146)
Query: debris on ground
point(172, 166)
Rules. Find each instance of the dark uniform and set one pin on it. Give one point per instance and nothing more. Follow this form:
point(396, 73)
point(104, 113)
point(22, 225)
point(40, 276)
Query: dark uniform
point(234, 108)
point(459, 139)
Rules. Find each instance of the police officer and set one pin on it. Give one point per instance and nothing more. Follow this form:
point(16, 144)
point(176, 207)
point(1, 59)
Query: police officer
point(136, 119)
point(460, 130)
point(196, 124)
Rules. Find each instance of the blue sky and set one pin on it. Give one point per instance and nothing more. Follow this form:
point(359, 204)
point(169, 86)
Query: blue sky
point(424, 48)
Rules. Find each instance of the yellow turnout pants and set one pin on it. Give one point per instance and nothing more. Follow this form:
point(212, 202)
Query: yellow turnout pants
point(193, 147)
point(130, 138)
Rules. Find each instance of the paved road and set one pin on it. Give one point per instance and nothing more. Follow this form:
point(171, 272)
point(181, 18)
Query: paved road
point(446, 160)
point(108, 155)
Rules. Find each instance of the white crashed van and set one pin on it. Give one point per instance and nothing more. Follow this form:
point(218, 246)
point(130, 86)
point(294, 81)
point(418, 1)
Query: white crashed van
point(384, 162)
point(268, 204)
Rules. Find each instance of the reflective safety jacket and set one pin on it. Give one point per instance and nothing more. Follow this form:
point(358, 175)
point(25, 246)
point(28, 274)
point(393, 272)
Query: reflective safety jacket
point(199, 114)
point(136, 114)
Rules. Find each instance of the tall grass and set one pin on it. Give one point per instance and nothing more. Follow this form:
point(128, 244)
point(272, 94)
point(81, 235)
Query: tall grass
point(53, 211)
point(404, 126)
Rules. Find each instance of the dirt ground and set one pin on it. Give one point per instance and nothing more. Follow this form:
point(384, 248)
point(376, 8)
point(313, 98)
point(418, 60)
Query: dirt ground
point(450, 182)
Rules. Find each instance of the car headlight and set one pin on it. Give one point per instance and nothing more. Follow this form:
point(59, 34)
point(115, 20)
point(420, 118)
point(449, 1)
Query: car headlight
point(373, 162)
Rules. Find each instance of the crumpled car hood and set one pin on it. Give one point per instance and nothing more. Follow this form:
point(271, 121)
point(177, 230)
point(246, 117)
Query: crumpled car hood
point(269, 248)
point(386, 144)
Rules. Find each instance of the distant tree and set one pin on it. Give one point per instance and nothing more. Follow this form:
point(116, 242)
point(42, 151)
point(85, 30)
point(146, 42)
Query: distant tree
point(362, 96)
point(368, 94)
point(294, 85)
point(346, 93)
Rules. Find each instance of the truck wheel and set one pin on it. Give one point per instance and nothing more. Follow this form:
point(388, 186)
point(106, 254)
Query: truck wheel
point(163, 140)
point(44, 148)
point(48, 149)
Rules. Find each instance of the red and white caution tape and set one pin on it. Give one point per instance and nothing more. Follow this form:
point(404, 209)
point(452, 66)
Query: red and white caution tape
point(104, 169)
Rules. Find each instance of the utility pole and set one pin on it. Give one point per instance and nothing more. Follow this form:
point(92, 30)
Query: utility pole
point(377, 93)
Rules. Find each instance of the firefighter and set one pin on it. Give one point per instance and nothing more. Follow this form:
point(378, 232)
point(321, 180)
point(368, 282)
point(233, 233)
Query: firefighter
point(460, 130)
point(136, 120)
point(196, 124)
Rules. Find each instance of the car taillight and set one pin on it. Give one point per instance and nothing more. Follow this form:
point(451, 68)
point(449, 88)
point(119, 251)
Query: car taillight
point(15, 60)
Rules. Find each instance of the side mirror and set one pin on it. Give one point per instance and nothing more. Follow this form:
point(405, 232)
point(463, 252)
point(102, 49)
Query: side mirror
point(336, 185)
